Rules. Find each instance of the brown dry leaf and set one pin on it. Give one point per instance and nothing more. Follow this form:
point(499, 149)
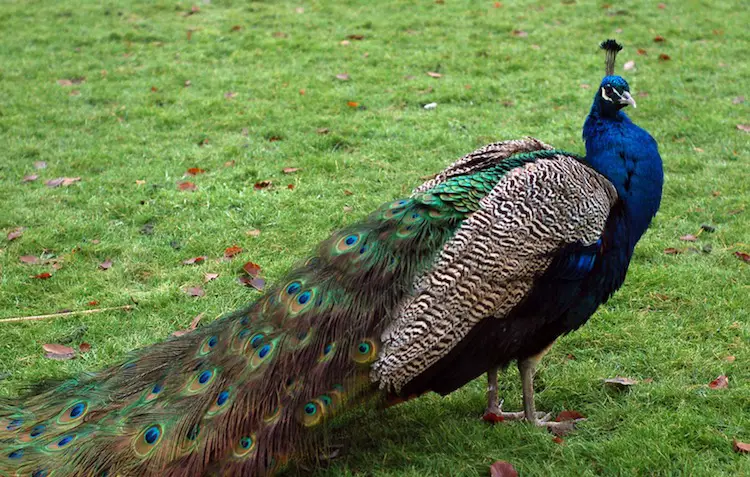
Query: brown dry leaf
point(209, 277)
point(433, 74)
point(290, 170)
point(140, 182)
point(43, 276)
point(520, 33)
point(29, 259)
point(187, 185)
point(323, 131)
point(744, 127)
point(302, 92)
point(193, 325)
point(71, 81)
point(194, 171)
point(252, 269)
point(236, 28)
point(92, 303)
point(279, 34)
point(257, 283)
point(348, 209)
point(641, 51)
point(154, 89)
point(629, 65)
point(105, 265)
point(75, 92)
point(722, 382)
point(738, 100)
point(672, 251)
point(585, 86)
point(352, 104)
point(664, 57)
point(689, 238)
point(619, 383)
point(262, 185)
point(345, 43)
point(229, 163)
point(253, 233)
point(343, 76)
point(61, 181)
point(195, 291)
point(290, 186)
point(30, 178)
point(356, 37)
point(188, 83)
point(558, 440)
point(497, 5)
point(730, 359)
point(662, 6)
point(348, 192)
point(745, 257)
point(58, 352)
point(569, 416)
point(15, 233)
point(503, 469)
point(230, 95)
point(659, 39)
point(230, 252)
point(741, 447)
point(275, 138)
point(195, 260)
point(40, 165)
point(84, 347)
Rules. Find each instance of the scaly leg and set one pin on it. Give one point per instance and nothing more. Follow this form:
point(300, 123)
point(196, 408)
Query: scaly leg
point(494, 412)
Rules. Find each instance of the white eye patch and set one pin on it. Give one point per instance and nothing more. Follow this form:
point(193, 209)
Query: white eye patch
point(604, 95)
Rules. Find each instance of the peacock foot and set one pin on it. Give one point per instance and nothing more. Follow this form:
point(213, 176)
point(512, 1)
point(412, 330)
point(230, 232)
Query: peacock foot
point(495, 413)
point(559, 428)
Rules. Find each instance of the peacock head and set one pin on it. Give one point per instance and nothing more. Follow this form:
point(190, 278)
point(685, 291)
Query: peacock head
point(614, 93)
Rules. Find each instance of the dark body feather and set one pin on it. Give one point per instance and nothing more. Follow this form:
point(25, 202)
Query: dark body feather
point(508, 248)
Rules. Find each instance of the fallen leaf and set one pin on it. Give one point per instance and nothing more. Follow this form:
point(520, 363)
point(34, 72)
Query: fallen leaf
point(194, 171)
point(659, 39)
point(569, 416)
point(209, 277)
point(71, 81)
point(61, 181)
point(40, 165)
point(252, 269)
point(279, 34)
point(619, 383)
point(194, 260)
point(302, 92)
point(323, 131)
point(195, 291)
point(262, 185)
point(188, 83)
point(345, 43)
point(106, 265)
point(236, 28)
point(257, 283)
point(662, 6)
point(348, 208)
point(230, 95)
point(744, 127)
point(629, 65)
point(84, 347)
point(43, 276)
point(738, 100)
point(230, 252)
point(492, 417)
point(253, 233)
point(641, 51)
point(290, 186)
point(664, 57)
point(503, 469)
point(154, 89)
point(352, 104)
point(348, 192)
point(730, 359)
point(432, 74)
point(558, 440)
point(193, 325)
point(290, 170)
point(30, 178)
point(689, 238)
point(274, 138)
point(356, 37)
point(722, 382)
point(741, 447)
point(140, 182)
point(58, 352)
point(92, 303)
point(342, 76)
point(15, 233)
point(29, 259)
point(585, 86)
point(648, 380)
point(187, 185)
point(672, 251)
point(698, 149)
point(520, 33)
point(229, 163)
point(745, 257)
point(497, 5)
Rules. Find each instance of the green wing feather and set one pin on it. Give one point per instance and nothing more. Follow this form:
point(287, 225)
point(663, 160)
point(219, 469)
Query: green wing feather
point(244, 394)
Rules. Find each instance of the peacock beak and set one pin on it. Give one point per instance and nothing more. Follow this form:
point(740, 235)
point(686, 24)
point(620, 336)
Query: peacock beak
point(625, 98)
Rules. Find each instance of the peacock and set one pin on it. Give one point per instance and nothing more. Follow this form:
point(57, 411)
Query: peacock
point(489, 262)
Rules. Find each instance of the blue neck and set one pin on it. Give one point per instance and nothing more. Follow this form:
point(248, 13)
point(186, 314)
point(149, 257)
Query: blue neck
point(628, 156)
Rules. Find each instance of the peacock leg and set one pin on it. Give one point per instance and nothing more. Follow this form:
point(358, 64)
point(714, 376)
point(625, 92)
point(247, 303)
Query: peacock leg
point(494, 412)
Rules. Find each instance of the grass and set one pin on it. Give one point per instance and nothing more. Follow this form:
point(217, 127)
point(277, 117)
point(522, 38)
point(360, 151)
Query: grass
point(134, 118)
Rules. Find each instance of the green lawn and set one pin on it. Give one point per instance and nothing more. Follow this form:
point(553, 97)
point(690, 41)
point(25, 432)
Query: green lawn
point(166, 89)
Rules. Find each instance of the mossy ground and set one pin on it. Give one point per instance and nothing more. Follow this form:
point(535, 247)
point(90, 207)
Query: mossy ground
point(134, 118)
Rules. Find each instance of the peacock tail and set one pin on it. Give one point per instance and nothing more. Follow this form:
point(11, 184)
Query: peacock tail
point(248, 392)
